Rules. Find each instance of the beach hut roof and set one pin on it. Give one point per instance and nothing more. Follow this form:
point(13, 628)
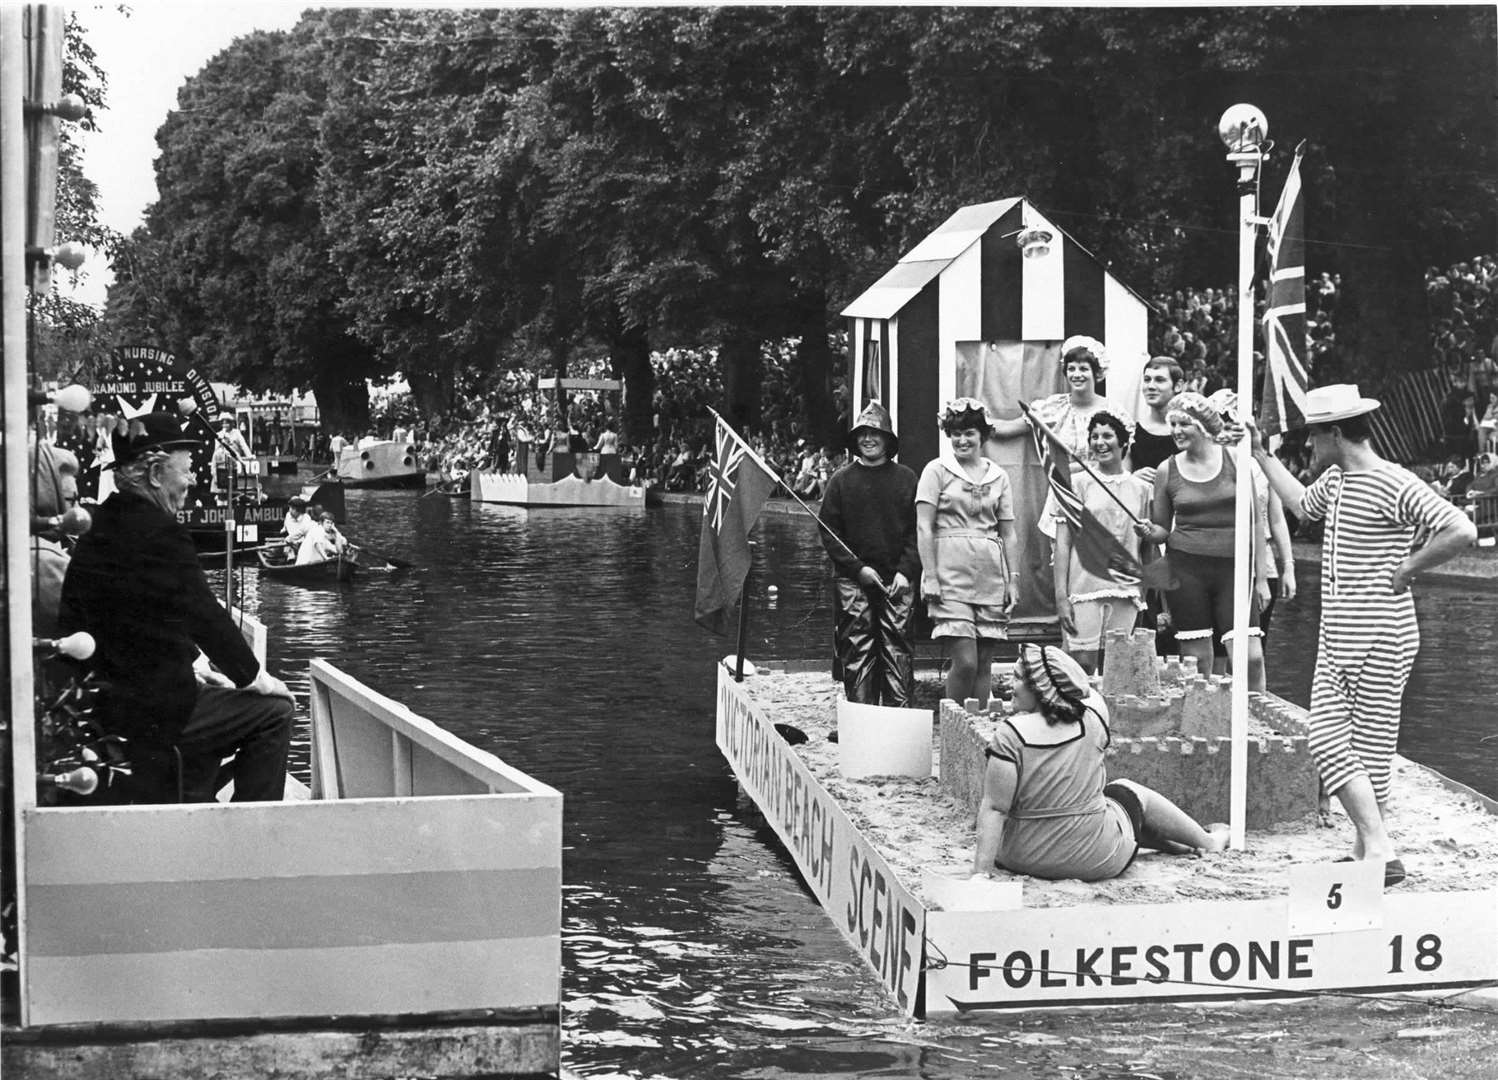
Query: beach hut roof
point(922, 263)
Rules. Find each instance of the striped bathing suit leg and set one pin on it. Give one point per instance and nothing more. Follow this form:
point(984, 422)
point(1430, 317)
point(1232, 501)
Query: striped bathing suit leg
point(1330, 721)
point(1380, 695)
point(1364, 660)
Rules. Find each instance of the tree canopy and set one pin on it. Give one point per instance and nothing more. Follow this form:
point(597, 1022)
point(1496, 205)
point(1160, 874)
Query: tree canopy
point(447, 192)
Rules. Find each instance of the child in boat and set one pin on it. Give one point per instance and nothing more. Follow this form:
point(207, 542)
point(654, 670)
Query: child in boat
point(322, 542)
point(1047, 808)
point(294, 529)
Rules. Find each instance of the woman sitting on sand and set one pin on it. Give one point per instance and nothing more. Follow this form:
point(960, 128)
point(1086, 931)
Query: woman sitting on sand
point(1047, 808)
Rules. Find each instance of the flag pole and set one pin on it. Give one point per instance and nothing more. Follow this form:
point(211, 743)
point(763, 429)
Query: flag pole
point(1243, 129)
point(1049, 434)
point(749, 450)
point(738, 653)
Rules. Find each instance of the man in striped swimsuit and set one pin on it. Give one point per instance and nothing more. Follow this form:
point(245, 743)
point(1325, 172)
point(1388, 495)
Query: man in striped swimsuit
point(1373, 511)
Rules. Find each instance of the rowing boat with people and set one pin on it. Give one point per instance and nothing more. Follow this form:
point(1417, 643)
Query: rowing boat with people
point(338, 568)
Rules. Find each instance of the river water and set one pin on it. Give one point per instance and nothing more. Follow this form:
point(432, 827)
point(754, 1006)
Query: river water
point(563, 641)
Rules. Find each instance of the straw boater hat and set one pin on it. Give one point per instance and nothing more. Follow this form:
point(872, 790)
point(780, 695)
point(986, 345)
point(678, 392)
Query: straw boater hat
point(153, 431)
point(1339, 401)
point(875, 417)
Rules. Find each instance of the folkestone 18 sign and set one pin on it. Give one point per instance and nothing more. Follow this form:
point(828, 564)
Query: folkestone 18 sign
point(1226, 949)
point(868, 904)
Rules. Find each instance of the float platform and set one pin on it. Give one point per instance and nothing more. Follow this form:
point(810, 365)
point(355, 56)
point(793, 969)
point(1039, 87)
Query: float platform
point(887, 857)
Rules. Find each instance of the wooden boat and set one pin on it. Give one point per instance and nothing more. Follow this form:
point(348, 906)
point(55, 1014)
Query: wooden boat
point(384, 464)
point(453, 489)
point(258, 515)
point(323, 572)
point(406, 909)
point(1281, 918)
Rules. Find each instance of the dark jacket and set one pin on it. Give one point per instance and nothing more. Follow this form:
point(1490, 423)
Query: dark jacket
point(134, 583)
point(872, 508)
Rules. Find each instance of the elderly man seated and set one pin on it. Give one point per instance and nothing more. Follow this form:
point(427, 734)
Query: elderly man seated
point(134, 583)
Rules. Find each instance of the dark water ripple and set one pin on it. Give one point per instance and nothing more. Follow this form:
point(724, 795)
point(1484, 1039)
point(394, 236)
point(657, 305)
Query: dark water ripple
point(563, 642)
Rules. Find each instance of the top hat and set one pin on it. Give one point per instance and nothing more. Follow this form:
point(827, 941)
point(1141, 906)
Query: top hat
point(1339, 401)
point(153, 431)
point(875, 417)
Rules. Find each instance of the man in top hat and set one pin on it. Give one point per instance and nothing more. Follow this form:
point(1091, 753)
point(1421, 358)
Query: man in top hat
point(134, 583)
point(1373, 511)
point(869, 513)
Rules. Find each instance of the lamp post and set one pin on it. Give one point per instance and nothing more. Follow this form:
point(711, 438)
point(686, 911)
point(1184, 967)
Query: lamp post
point(1243, 129)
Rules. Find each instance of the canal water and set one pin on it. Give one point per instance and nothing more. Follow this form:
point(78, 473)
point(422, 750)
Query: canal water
point(563, 641)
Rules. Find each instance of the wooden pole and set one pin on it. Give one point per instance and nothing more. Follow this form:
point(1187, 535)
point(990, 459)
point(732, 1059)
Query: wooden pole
point(738, 657)
point(1248, 161)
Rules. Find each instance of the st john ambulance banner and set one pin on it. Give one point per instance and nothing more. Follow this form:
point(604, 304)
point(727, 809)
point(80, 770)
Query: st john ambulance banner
point(878, 915)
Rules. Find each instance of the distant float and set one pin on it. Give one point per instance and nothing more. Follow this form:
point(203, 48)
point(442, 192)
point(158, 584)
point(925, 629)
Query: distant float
point(384, 464)
point(580, 480)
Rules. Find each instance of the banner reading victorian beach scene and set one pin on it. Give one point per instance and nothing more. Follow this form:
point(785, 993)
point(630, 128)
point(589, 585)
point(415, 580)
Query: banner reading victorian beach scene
point(878, 916)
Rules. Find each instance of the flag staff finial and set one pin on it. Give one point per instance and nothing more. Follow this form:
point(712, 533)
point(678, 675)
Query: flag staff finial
point(1244, 130)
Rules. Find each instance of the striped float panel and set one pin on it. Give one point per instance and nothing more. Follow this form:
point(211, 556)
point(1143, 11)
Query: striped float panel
point(426, 879)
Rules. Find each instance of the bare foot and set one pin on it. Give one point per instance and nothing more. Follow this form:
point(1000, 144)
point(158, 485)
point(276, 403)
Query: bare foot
point(1217, 837)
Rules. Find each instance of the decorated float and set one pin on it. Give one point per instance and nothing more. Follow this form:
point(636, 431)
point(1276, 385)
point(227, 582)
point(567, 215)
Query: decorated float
point(880, 828)
point(274, 938)
point(240, 496)
point(381, 464)
point(572, 479)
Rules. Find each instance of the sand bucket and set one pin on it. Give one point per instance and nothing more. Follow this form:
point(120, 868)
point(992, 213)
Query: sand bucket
point(876, 740)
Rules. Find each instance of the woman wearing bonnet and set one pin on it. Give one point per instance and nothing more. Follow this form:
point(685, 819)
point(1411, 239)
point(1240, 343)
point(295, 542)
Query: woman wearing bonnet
point(1047, 808)
point(965, 534)
point(1084, 363)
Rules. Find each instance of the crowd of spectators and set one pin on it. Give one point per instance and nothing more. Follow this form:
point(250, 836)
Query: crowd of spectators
point(1199, 328)
point(512, 424)
point(1196, 326)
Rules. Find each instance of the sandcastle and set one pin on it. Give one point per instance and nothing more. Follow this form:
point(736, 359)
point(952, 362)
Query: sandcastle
point(1170, 732)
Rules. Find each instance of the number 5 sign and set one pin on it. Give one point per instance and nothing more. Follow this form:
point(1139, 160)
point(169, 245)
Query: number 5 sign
point(1331, 898)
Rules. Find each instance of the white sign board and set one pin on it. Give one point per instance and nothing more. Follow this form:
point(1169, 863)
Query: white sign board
point(877, 914)
point(1330, 898)
point(1177, 952)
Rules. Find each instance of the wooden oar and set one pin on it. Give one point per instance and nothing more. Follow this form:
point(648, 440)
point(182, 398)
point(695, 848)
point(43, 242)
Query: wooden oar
point(392, 563)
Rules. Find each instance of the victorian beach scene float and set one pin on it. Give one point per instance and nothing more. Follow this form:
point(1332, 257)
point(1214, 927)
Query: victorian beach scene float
point(1046, 628)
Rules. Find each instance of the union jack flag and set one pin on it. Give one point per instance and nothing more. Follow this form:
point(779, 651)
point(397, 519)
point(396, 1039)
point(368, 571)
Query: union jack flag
point(738, 488)
point(722, 475)
point(1286, 377)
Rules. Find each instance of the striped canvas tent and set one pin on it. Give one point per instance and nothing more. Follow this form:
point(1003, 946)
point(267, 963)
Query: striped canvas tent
point(965, 312)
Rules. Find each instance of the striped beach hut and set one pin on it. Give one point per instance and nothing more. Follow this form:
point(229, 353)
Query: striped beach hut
point(966, 312)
